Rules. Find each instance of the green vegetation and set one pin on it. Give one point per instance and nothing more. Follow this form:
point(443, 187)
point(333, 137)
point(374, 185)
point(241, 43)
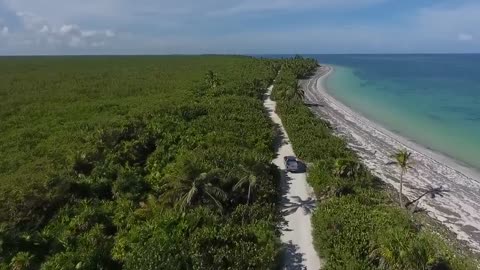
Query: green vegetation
point(164, 163)
point(357, 225)
point(136, 163)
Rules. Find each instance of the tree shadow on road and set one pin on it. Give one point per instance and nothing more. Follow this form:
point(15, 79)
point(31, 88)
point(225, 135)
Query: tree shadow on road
point(285, 201)
point(292, 259)
point(307, 205)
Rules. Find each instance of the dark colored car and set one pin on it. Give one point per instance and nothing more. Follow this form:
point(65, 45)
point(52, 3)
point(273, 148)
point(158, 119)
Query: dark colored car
point(291, 163)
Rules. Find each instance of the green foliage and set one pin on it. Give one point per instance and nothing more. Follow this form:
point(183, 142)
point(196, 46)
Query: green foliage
point(349, 168)
point(95, 148)
point(356, 225)
point(196, 240)
point(194, 189)
point(309, 133)
point(403, 160)
point(21, 261)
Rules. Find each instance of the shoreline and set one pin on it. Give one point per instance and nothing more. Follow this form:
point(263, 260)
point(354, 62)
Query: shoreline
point(375, 143)
point(444, 159)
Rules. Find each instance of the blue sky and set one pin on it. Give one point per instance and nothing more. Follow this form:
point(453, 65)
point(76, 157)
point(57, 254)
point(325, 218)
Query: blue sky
point(240, 27)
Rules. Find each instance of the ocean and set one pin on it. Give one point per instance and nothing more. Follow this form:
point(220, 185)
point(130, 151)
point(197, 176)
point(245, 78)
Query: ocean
point(433, 100)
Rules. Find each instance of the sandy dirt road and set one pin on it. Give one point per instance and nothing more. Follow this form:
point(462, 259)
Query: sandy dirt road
point(298, 202)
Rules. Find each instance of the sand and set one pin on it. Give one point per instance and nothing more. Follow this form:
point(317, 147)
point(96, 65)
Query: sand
point(459, 210)
point(298, 202)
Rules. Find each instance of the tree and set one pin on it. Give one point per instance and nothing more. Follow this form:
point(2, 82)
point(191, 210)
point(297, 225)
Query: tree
point(403, 160)
point(299, 93)
point(211, 79)
point(251, 180)
point(287, 92)
point(193, 190)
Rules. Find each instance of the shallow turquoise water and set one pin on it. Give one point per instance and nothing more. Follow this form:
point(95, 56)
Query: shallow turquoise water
point(433, 100)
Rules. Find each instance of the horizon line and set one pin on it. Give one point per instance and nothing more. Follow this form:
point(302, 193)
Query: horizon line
point(237, 54)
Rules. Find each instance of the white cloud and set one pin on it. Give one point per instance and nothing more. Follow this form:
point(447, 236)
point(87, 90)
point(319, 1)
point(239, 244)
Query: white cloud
point(32, 22)
point(44, 29)
point(183, 26)
point(166, 11)
point(465, 37)
point(62, 11)
point(38, 35)
point(109, 33)
point(76, 42)
point(4, 31)
point(57, 22)
point(445, 22)
point(89, 33)
point(52, 41)
point(70, 29)
point(98, 44)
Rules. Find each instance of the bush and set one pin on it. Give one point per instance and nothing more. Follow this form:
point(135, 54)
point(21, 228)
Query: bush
point(121, 135)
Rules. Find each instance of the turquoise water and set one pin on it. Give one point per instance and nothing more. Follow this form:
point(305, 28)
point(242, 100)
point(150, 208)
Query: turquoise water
point(433, 100)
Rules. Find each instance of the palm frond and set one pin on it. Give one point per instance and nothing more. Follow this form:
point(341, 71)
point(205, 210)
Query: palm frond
point(202, 177)
point(216, 192)
point(215, 200)
point(240, 183)
point(188, 197)
point(252, 181)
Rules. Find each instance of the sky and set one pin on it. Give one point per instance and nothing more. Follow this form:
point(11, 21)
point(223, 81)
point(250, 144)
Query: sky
point(45, 27)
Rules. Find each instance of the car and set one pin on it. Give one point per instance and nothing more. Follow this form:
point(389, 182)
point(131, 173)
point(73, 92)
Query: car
point(291, 163)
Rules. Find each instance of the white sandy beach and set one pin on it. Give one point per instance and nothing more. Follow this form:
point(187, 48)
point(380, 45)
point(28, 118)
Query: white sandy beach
point(298, 202)
point(459, 210)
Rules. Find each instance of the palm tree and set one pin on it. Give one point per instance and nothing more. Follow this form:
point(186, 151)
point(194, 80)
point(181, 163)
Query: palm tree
point(211, 79)
point(403, 160)
point(193, 190)
point(299, 93)
point(251, 180)
point(291, 93)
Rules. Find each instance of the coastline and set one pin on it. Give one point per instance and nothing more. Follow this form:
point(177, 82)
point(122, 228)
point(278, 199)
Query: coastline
point(459, 166)
point(374, 144)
